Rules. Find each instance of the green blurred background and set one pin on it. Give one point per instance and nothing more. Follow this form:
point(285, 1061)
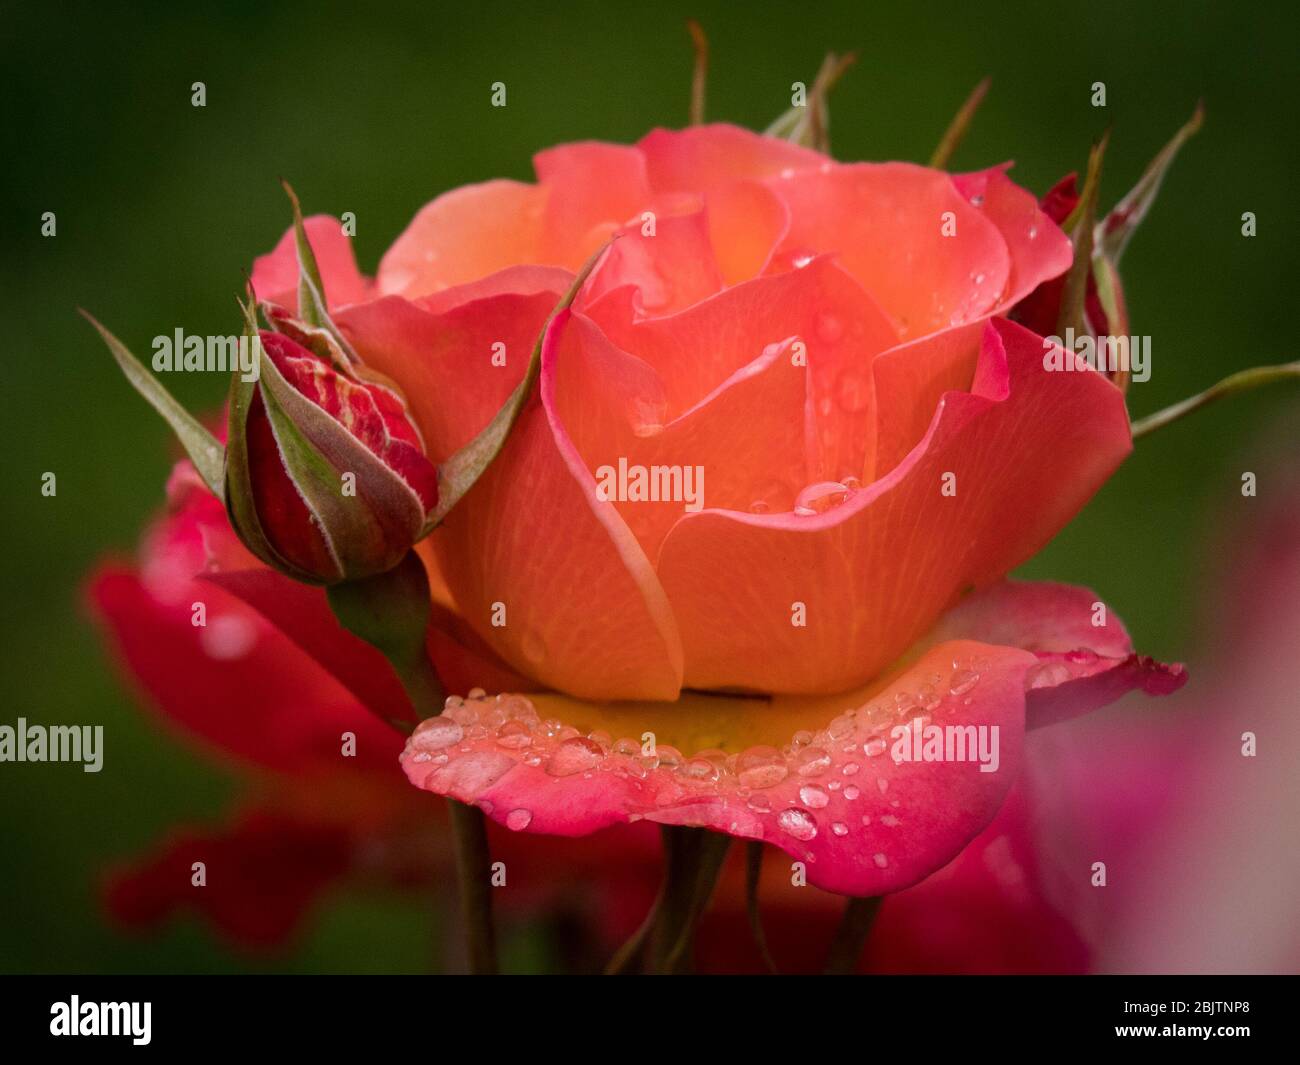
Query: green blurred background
point(375, 109)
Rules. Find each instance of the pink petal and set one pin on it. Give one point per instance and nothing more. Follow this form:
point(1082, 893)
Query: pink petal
point(1039, 250)
point(887, 223)
point(703, 158)
point(1027, 448)
point(465, 235)
point(862, 822)
point(548, 576)
point(593, 188)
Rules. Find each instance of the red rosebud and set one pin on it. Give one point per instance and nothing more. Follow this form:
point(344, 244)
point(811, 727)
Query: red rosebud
point(326, 476)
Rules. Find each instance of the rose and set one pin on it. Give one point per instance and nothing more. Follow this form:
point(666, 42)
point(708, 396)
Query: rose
point(880, 448)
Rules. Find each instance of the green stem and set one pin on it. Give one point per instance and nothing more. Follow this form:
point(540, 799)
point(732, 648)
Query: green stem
point(851, 937)
point(391, 612)
point(474, 870)
point(1242, 381)
point(753, 873)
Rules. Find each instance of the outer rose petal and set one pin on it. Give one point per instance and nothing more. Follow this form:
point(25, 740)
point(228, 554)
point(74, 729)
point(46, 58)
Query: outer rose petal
point(237, 682)
point(1085, 657)
point(275, 275)
point(1039, 250)
point(464, 235)
point(864, 823)
point(266, 871)
point(593, 189)
point(1027, 448)
point(585, 612)
point(704, 158)
point(814, 775)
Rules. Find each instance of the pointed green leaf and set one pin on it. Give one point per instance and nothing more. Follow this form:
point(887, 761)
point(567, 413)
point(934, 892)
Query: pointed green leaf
point(200, 445)
point(312, 308)
point(1114, 231)
point(457, 475)
point(1079, 225)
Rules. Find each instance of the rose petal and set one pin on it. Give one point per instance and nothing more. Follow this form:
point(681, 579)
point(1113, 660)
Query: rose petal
point(920, 249)
point(612, 404)
point(1026, 447)
point(1085, 657)
point(237, 683)
point(1039, 250)
point(593, 188)
point(670, 268)
point(705, 158)
point(266, 871)
point(549, 577)
point(862, 822)
point(465, 235)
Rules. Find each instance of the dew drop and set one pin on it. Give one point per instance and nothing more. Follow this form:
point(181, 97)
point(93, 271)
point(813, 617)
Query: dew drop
point(851, 792)
point(514, 734)
point(518, 820)
point(819, 497)
point(880, 860)
point(436, 733)
point(962, 681)
point(574, 755)
point(840, 828)
point(813, 796)
point(761, 767)
point(812, 761)
point(797, 823)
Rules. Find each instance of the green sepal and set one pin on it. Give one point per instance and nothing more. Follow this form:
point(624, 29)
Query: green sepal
point(312, 308)
point(458, 474)
point(956, 131)
point(1079, 225)
point(204, 450)
point(810, 125)
point(1115, 230)
point(240, 506)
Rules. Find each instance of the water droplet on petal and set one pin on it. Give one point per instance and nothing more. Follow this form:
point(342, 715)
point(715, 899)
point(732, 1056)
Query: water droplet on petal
point(518, 820)
point(574, 755)
point(840, 828)
point(819, 497)
point(798, 823)
point(812, 761)
point(436, 733)
point(880, 860)
point(962, 681)
point(761, 767)
point(813, 796)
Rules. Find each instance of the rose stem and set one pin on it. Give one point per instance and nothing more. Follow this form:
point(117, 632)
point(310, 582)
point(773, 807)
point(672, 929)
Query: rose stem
point(473, 867)
point(1242, 381)
point(851, 936)
point(753, 872)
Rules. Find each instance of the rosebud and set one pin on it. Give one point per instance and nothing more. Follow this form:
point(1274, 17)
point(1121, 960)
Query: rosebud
point(326, 476)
